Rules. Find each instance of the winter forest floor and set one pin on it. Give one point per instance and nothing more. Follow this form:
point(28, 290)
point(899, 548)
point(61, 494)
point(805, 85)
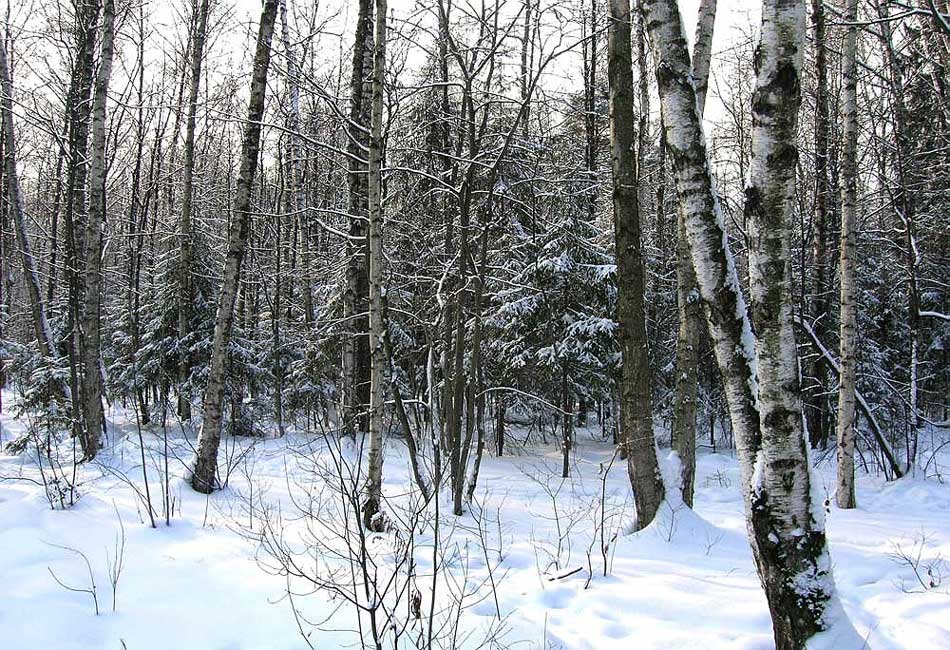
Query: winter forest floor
point(522, 569)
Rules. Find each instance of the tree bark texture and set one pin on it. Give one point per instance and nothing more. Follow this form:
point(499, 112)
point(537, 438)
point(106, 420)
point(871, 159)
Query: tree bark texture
point(637, 407)
point(206, 462)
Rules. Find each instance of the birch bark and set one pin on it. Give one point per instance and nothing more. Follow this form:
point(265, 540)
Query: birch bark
point(374, 472)
point(683, 431)
point(206, 461)
point(785, 529)
point(92, 270)
point(844, 494)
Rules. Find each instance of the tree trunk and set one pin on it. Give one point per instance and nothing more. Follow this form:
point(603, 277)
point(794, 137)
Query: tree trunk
point(787, 538)
point(844, 494)
point(815, 402)
point(356, 348)
point(637, 408)
point(41, 329)
point(374, 472)
point(781, 492)
point(295, 161)
point(78, 112)
point(683, 432)
point(206, 461)
point(185, 227)
point(91, 324)
point(905, 209)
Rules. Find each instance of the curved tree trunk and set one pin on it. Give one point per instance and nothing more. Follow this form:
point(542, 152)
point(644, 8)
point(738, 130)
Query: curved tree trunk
point(206, 461)
point(637, 407)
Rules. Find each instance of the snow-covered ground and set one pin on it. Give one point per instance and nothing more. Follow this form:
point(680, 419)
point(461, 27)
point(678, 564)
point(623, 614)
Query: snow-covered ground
point(528, 570)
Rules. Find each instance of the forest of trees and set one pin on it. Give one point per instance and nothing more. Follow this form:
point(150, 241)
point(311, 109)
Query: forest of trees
point(417, 224)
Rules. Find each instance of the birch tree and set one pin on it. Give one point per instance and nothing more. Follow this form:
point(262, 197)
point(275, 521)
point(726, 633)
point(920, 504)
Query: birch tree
point(91, 322)
point(844, 494)
point(206, 460)
point(635, 390)
point(374, 478)
point(786, 531)
point(683, 428)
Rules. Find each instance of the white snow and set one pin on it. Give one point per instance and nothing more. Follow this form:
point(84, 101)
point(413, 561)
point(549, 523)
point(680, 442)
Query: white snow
point(686, 581)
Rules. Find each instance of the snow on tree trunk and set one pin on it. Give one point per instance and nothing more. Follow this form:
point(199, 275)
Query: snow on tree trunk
point(92, 268)
point(793, 560)
point(637, 407)
point(185, 228)
point(206, 461)
point(785, 529)
point(844, 494)
point(41, 329)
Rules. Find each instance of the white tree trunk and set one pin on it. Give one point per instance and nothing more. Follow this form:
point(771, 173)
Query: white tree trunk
point(844, 494)
point(206, 461)
point(792, 547)
point(92, 268)
point(786, 535)
point(374, 473)
point(683, 429)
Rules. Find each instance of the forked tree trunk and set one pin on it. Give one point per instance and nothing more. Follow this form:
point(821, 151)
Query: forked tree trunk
point(374, 471)
point(786, 534)
point(683, 431)
point(637, 407)
point(92, 272)
point(206, 461)
point(185, 227)
point(844, 494)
